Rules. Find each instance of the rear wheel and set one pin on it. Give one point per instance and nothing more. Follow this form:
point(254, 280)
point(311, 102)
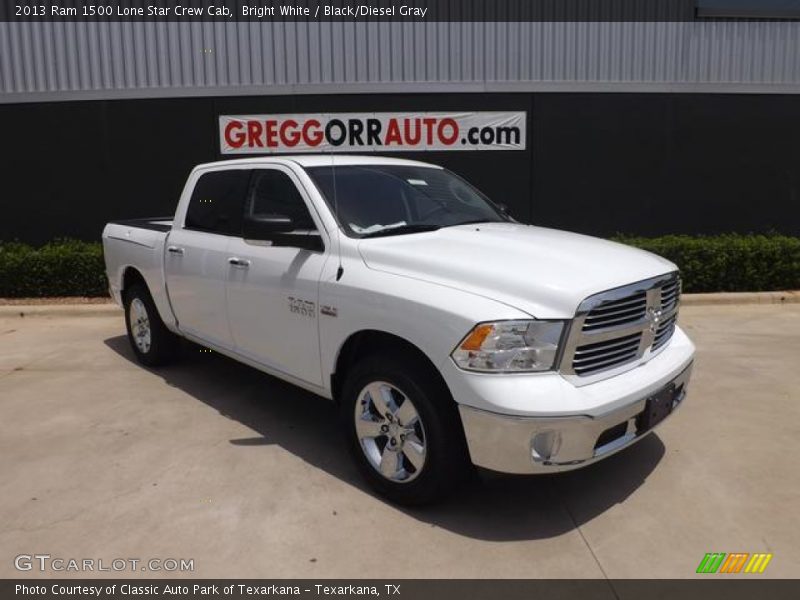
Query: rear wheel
point(403, 430)
point(152, 343)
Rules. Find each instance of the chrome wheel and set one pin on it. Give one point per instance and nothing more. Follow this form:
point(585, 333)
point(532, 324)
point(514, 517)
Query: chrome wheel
point(140, 325)
point(390, 432)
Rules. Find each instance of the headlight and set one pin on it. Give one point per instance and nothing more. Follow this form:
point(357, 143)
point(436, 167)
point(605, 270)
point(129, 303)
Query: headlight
point(510, 346)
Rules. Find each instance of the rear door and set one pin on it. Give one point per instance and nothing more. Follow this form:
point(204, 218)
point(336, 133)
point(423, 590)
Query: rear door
point(196, 258)
point(273, 285)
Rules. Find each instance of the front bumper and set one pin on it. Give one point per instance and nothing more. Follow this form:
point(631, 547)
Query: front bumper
point(547, 441)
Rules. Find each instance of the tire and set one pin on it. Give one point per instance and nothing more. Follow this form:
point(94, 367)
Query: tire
point(153, 344)
point(429, 457)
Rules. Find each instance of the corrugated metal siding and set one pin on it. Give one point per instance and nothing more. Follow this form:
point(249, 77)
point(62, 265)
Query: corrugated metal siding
point(65, 60)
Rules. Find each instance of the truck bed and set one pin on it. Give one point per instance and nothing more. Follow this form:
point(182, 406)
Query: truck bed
point(138, 244)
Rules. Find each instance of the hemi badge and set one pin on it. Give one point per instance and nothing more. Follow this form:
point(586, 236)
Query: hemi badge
point(328, 310)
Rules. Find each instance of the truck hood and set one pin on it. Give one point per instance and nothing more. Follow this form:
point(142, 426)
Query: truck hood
point(543, 272)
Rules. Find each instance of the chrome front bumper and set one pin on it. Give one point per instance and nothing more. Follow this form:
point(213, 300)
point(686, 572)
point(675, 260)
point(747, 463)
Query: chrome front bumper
point(512, 444)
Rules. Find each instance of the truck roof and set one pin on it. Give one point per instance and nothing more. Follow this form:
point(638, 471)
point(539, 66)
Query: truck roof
point(321, 160)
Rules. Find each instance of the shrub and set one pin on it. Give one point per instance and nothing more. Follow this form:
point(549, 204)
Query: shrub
point(729, 263)
point(60, 268)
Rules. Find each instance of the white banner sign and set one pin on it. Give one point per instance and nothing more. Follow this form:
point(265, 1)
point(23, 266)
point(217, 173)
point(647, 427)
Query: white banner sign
point(372, 132)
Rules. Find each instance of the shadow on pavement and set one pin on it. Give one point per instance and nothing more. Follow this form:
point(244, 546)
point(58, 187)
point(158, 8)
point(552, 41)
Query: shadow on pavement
point(494, 507)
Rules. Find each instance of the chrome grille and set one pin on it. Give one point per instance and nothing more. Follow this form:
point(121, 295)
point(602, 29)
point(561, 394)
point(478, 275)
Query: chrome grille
point(670, 294)
point(617, 329)
point(664, 332)
point(591, 357)
point(617, 312)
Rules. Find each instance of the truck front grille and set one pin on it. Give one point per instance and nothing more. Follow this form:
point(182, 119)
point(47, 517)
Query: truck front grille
point(617, 312)
point(620, 328)
point(670, 294)
point(664, 332)
point(594, 357)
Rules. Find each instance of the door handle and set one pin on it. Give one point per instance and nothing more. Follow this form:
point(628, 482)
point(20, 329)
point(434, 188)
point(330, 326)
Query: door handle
point(238, 262)
point(175, 250)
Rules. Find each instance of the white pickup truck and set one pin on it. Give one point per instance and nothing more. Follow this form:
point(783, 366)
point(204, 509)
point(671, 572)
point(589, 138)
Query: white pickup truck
point(447, 332)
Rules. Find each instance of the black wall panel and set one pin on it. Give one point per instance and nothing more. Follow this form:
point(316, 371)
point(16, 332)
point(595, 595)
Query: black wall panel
point(596, 163)
point(655, 164)
point(69, 168)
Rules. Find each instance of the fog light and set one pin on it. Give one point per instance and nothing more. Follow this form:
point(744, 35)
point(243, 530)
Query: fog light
point(545, 445)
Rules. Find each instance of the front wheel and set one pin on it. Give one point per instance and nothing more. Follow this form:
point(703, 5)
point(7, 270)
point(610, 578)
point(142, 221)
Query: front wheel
point(403, 430)
point(151, 341)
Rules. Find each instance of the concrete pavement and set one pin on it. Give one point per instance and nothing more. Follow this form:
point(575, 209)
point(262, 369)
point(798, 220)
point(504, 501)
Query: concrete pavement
point(212, 461)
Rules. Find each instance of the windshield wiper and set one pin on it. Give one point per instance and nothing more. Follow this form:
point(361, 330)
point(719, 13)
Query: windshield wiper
point(418, 228)
point(473, 222)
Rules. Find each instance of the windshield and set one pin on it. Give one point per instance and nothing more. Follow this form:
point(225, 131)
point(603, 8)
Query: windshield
point(375, 200)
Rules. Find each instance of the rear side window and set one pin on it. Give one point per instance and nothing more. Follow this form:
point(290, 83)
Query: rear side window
point(274, 193)
point(217, 202)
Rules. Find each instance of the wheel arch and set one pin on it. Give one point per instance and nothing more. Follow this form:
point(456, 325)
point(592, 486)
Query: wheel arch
point(374, 341)
point(130, 276)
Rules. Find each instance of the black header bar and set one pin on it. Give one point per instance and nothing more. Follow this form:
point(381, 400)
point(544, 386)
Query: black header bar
point(349, 10)
point(711, 588)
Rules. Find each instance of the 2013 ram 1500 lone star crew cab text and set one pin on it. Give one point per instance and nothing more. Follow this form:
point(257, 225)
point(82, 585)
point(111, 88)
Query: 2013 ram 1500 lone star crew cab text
point(447, 332)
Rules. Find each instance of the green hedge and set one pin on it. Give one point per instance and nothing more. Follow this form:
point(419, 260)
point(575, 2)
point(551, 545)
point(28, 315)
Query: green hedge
point(60, 268)
point(729, 263)
point(724, 263)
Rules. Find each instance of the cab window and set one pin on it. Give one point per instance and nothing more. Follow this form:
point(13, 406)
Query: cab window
point(217, 202)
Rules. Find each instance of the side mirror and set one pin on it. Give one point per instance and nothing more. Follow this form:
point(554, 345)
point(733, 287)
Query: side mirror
point(263, 227)
point(504, 211)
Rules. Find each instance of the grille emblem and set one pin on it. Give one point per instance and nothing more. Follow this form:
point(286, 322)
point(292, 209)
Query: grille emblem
point(654, 317)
